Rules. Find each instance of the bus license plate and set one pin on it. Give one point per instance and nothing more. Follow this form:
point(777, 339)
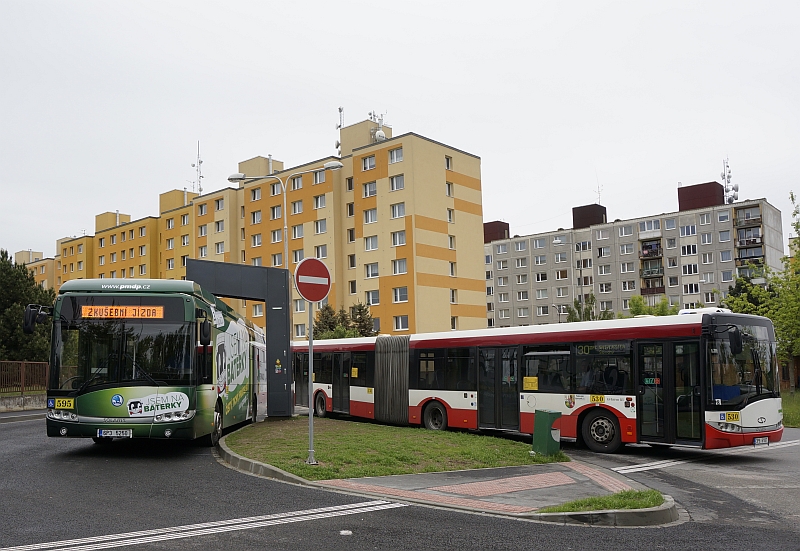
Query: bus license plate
point(114, 433)
point(760, 440)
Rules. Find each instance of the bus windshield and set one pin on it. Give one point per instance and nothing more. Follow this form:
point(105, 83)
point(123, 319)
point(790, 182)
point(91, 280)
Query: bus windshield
point(746, 376)
point(121, 341)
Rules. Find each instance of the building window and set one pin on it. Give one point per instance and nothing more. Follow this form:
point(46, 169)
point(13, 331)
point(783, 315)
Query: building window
point(255, 240)
point(688, 230)
point(523, 245)
point(669, 224)
point(351, 235)
point(276, 236)
point(395, 155)
point(561, 257)
point(300, 330)
point(113, 258)
point(275, 212)
point(370, 189)
point(724, 236)
point(605, 287)
point(297, 255)
point(672, 243)
point(320, 226)
point(170, 243)
point(319, 202)
point(489, 291)
point(561, 274)
point(202, 209)
point(603, 252)
point(451, 242)
point(142, 250)
point(351, 209)
point(448, 163)
point(691, 289)
point(277, 259)
point(502, 281)
point(604, 269)
point(297, 231)
point(398, 238)
point(372, 298)
point(321, 251)
point(672, 262)
point(299, 305)
point(606, 306)
point(727, 276)
point(184, 260)
point(502, 248)
point(349, 184)
point(255, 194)
point(258, 310)
point(368, 163)
point(502, 264)
point(352, 286)
point(219, 248)
point(142, 269)
point(453, 296)
point(629, 285)
point(724, 216)
point(626, 267)
point(688, 250)
point(709, 298)
point(401, 323)
point(400, 294)
point(649, 225)
point(319, 177)
point(297, 207)
point(538, 260)
point(625, 231)
point(184, 219)
point(219, 226)
point(725, 256)
point(626, 248)
point(351, 261)
point(503, 314)
point(371, 270)
point(705, 219)
point(448, 189)
point(451, 216)
point(399, 266)
point(672, 281)
point(396, 183)
point(255, 218)
point(705, 239)
point(370, 216)
point(202, 231)
point(398, 210)
point(542, 311)
point(297, 183)
point(452, 269)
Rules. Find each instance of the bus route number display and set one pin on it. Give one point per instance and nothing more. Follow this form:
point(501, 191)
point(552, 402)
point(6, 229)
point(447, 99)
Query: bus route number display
point(123, 312)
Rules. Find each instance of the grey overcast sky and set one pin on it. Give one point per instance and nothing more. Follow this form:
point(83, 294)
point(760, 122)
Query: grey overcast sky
point(102, 103)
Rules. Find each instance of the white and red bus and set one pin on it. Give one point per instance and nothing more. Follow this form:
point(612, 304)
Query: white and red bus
point(706, 379)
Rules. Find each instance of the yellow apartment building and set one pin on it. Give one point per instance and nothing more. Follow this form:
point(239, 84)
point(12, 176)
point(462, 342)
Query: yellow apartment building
point(399, 225)
point(43, 269)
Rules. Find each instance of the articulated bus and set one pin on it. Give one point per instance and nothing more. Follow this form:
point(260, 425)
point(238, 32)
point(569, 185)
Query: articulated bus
point(149, 359)
point(706, 379)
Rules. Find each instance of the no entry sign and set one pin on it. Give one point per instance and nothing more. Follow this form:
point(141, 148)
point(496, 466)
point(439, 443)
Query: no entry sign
point(312, 279)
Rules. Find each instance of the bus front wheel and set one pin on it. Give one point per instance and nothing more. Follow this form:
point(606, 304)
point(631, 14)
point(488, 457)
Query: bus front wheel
point(435, 416)
point(319, 405)
point(601, 431)
point(216, 432)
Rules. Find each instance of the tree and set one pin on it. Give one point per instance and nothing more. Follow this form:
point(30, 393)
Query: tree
point(325, 320)
point(18, 288)
point(362, 320)
point(638, 307)
point(587, 311)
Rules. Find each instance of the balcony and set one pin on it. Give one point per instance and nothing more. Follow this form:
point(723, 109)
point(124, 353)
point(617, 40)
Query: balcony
point(652, 291)
point(752, 221)
point(652, 272)
point(655, 252)
point(748, 242)
point(755, 260)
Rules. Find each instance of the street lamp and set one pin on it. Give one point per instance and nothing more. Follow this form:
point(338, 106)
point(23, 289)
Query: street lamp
point(239, 178)
point(559, 312)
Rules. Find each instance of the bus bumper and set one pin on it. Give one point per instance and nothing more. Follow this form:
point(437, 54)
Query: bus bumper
point(181, 430)
point(716, 438)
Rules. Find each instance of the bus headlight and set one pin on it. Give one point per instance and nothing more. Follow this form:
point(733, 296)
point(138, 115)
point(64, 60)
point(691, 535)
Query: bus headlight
point(174, 416)
point(726, 427)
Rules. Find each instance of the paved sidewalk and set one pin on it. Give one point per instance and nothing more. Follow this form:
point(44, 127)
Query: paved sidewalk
point(509, 491)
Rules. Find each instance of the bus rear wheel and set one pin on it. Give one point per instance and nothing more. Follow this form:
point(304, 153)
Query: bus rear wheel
point(319, 405)
point(601, 431)
point(216, 432)
point(435, 416)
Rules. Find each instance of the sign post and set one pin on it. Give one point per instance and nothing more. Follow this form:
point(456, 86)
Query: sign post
point(313, 282)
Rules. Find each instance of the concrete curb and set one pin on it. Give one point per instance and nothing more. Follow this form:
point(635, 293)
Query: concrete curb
point(665, 513)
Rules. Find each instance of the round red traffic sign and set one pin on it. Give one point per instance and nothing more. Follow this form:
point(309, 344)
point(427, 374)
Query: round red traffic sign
point(312, 279)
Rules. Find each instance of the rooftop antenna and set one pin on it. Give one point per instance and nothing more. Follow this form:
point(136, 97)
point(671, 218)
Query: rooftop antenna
point(731, 190)
point(341, 118)
point(198, 166)
point(599, 187)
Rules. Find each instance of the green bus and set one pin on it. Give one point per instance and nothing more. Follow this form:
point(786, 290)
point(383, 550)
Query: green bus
point(149, 359)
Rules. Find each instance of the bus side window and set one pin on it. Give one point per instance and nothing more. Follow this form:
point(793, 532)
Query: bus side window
point(205, 354)
point(431, 369)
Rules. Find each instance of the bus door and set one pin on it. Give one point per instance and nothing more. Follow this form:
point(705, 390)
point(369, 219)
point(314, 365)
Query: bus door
point(341, 382)
point(498, 389)
point(687, 392)
point(300, 379)
point(655, 409)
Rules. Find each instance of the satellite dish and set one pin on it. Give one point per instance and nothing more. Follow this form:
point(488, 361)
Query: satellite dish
point(380, 135)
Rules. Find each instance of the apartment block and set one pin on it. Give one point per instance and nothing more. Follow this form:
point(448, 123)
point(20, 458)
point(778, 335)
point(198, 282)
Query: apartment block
point(397, 219)
point(43, 268)
point(690, 257)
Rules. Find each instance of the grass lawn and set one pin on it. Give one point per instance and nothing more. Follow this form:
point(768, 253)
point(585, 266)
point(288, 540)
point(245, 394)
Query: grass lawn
point(629, 499)
point(791, 409)
point(350, 449)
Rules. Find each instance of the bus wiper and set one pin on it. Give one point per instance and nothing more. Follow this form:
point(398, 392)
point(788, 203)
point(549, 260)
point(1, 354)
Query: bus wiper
point(756, 370)
point(86, 384)
point(138, 369)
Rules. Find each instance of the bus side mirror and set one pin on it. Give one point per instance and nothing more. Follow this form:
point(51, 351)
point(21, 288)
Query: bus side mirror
point(29, 319)
point(735, 340)
point(205, 333)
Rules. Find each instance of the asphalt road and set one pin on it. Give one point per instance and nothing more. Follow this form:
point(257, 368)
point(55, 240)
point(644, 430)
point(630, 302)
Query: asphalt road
point(58, 490)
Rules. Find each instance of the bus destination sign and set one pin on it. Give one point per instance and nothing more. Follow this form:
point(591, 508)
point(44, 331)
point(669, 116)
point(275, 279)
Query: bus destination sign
point(123, 312)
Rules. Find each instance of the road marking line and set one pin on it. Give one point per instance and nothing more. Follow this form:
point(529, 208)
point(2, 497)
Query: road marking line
point(672, 462)
point(206, 528)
